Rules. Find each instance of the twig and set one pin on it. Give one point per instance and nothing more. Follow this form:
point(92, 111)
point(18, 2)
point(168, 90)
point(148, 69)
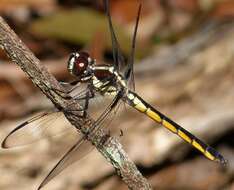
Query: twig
point(112, 149)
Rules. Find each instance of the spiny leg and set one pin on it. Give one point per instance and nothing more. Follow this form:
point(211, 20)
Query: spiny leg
point(59, 92)
point(89, 94)
point(65, 94)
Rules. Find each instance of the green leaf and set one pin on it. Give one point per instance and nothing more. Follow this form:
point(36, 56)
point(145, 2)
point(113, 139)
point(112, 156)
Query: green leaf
point(79, 26)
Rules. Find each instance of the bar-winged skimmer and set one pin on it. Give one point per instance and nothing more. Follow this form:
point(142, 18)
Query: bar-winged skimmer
point(115, 81)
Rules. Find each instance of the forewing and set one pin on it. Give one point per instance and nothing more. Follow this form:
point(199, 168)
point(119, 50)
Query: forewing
point(117, 54)
point(44, 125)
point(126, 68)
point(129, 73)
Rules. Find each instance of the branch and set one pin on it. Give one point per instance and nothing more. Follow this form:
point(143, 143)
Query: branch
point(111, 149)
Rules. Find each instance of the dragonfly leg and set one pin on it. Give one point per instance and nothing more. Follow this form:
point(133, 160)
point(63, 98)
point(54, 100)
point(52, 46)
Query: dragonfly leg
point(72, 85)
point(89, 94)
point(83, 110)
point(64, 94)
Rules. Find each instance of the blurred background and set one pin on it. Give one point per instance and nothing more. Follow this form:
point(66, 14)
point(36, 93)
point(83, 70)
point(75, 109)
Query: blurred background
point(184, 67)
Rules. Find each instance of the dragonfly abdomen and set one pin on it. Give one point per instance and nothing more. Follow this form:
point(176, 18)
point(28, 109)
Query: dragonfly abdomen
point(139, 104)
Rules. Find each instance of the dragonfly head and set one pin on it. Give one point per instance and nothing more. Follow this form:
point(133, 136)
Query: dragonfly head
point(79, 64)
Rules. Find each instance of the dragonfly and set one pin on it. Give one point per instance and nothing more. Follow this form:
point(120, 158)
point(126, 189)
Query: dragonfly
point(114, 82)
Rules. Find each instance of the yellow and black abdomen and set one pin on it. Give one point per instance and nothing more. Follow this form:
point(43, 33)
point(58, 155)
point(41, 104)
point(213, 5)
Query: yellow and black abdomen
point(139, 104)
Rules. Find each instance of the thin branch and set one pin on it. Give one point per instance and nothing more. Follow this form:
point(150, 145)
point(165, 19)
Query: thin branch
point(112, 149)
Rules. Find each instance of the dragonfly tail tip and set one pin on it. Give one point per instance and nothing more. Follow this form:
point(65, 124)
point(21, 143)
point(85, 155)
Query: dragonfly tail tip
point(222, 161)
point(3, 145)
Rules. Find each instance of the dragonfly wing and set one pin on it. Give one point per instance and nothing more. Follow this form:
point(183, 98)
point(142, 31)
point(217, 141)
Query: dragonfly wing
point(123, 67)
point(108, 114)
point(44, 125)
point(81, 148)
point(117, 54)
point(129, 73)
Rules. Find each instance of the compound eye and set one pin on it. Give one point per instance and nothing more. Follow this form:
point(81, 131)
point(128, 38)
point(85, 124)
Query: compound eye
point(81, 64)
point(78, 63)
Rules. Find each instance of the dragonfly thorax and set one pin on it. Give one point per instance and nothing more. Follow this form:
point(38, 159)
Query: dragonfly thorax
point(108, 80)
